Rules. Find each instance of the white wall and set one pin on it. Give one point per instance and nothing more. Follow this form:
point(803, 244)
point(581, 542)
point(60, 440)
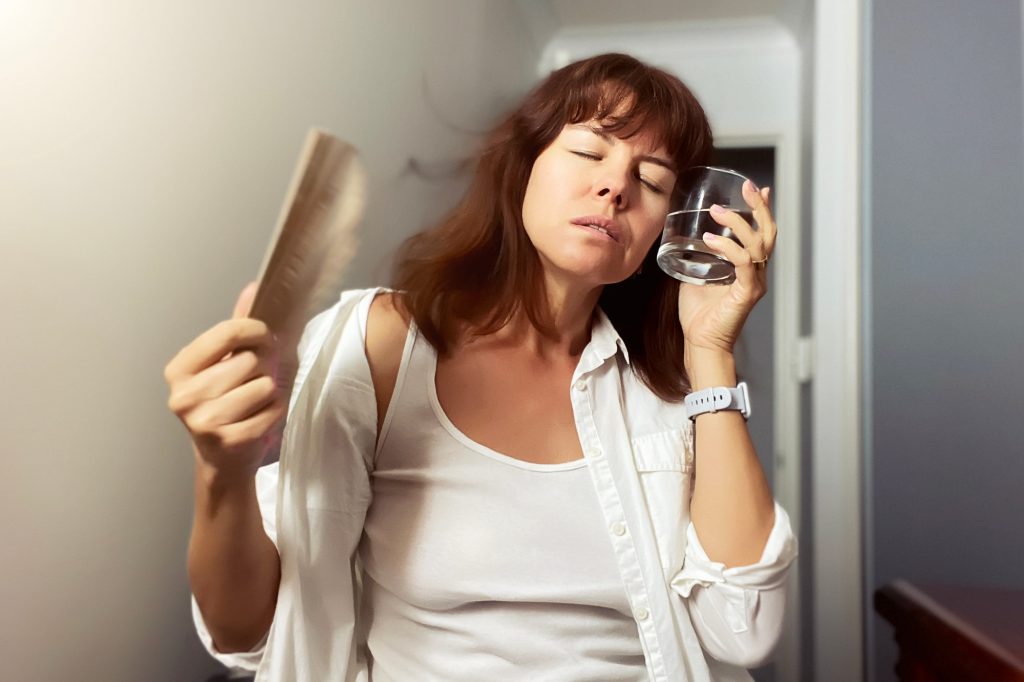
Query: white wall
point(145, 150)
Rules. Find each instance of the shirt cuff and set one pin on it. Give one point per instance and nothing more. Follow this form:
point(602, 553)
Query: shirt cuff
point(739, 585)
point(244, 660)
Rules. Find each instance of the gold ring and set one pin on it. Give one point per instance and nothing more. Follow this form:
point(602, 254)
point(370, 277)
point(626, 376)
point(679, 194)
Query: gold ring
point(759, 264)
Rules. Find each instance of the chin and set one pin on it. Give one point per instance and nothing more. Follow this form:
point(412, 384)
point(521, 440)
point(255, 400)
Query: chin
point(595, 273)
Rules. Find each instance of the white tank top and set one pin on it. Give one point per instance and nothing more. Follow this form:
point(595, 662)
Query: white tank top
point(480, 566)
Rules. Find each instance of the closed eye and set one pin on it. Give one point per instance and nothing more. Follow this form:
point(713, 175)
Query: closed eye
point(651, 186)
point(596, 157)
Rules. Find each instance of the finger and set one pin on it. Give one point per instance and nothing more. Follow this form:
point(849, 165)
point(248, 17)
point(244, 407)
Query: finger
point(762, 214)
point(771, 231)
point(747, 276)
point(233, 407)
point(220, 379)
point(212, 345)
point(748, 237)
point(244, 303)
point(261, 425)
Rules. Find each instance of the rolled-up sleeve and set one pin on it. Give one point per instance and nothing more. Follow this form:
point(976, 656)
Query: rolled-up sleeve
point(737, 612)
point(248, 661)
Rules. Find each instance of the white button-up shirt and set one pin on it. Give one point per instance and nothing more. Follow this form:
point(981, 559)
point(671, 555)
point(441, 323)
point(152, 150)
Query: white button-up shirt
point(697, 620)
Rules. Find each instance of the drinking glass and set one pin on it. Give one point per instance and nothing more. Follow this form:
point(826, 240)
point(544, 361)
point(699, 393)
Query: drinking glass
point(683, 253)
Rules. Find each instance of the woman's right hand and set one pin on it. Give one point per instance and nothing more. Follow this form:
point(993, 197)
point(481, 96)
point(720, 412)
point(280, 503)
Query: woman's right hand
point(223, 388)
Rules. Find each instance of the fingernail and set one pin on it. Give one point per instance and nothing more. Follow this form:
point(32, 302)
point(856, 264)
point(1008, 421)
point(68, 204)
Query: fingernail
point(716, 209)
point(710, 237)
point(753, 187)
point(767, 193)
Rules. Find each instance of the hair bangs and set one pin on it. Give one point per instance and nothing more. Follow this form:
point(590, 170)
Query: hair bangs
point(643, 105)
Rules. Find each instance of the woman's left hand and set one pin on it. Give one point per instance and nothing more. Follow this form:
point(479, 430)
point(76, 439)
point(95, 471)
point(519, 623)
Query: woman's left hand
point(713, 315)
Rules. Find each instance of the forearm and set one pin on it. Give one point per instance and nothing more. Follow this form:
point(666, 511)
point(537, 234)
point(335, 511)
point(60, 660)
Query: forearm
point(732, 508)
point(233, 567)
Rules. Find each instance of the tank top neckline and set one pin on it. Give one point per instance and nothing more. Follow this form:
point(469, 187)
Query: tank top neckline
point(454, 431)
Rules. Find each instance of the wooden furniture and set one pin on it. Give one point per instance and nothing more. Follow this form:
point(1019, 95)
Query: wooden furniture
point(955, 633)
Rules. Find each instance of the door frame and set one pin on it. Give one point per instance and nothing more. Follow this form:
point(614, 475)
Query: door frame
point(840, 603)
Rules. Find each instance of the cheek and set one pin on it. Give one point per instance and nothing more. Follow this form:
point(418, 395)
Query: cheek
point(649, 233)
point(550, 179)
point(649, 240)
point(654, 224)
point(545, 191)
point(533, 200)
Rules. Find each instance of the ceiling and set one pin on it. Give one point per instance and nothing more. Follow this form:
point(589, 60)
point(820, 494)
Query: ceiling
point(596, 12)
point(557, 15)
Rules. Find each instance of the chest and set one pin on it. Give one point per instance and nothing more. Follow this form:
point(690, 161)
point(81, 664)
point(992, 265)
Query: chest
point(514, 406)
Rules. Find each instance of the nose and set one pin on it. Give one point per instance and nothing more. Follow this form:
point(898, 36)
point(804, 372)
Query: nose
point(613, 189)
point(617, 197)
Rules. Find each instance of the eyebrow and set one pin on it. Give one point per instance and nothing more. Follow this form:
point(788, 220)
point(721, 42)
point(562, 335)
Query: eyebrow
point(656, 160)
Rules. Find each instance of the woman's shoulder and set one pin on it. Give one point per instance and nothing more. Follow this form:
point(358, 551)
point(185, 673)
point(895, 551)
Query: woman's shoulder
point(386, 332)
point(361, 328)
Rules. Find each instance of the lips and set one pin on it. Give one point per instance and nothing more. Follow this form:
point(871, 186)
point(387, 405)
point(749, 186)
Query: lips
point(600, 223)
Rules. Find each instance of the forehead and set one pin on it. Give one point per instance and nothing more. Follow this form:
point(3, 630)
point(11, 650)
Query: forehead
point(644, 141)
point(617, 108)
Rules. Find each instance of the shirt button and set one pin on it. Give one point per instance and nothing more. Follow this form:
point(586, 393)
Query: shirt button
point(594, 452)
point(581, 385)
point(642, 613)
point(619, 528)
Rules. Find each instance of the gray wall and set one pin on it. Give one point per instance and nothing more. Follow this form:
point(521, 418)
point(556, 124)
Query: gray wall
point(146, 148)
point(946, 298)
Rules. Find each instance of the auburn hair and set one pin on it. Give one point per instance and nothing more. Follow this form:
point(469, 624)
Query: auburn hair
point(477, 268)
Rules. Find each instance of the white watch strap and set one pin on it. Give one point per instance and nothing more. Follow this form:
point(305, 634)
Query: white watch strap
point(718, 398)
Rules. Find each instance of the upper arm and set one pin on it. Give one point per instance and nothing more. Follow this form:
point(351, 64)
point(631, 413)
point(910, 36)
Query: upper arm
point(386, 331)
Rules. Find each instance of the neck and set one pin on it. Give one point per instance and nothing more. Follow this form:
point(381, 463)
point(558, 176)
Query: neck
point(572, 312)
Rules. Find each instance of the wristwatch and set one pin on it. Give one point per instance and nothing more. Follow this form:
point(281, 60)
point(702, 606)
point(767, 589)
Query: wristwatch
point(718, 398)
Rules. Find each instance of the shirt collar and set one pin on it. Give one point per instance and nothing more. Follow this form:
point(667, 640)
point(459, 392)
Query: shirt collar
point(604, 338)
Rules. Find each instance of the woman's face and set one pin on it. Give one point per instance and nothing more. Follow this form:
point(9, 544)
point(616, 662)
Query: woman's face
point(595, 203)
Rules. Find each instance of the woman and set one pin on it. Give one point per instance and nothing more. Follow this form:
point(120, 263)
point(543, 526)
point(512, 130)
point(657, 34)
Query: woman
point(487, 472)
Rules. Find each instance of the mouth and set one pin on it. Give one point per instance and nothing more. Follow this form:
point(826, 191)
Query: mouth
point(601, 225)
